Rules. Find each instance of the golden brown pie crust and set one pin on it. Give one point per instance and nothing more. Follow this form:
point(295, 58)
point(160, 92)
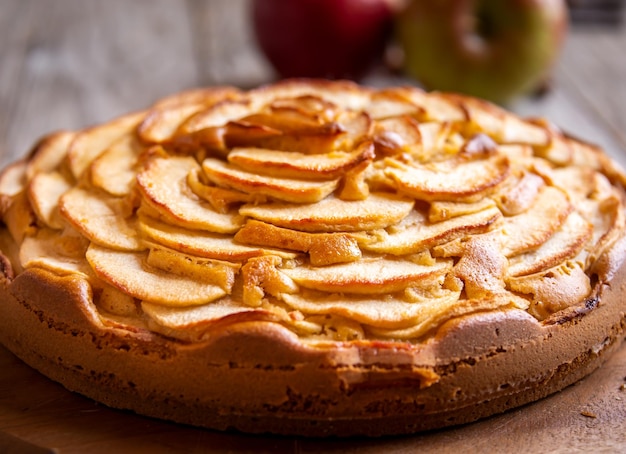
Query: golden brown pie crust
point(262, 366)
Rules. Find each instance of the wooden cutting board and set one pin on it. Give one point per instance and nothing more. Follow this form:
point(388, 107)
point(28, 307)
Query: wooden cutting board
point(38, 415)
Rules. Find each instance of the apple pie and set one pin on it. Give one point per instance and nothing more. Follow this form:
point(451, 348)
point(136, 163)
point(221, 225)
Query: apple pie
point(315, 258)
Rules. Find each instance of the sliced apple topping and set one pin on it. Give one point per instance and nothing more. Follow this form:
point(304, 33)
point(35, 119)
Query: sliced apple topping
point(49, 153)
point(289, 164)
point(435, 106)
point(202, 244)
point(13, 179)
point(62, 254)
point(114, 170)
point(415, 232)
point(368, 276)
point(102, 218)
point(89, 143)
point(44, 192)
point(130, 272)
point(442, 211)
point(449, 180)
point(565, 244)
point(323, 248)
point(530, 229)
point(397, 135)
point(286, 189)
point(378, 211)
point(163, 184)
point(381, 312)
point(165, 117)
point(521, 195)
point(261, 277)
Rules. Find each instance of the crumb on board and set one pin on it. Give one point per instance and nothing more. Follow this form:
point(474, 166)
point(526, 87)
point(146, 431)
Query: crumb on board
point(588, 414)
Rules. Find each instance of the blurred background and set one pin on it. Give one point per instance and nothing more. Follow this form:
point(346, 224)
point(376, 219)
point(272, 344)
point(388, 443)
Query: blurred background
point(72, 63)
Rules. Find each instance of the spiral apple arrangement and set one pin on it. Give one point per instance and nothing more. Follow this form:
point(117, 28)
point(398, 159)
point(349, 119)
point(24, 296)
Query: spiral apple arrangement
point(493, 49)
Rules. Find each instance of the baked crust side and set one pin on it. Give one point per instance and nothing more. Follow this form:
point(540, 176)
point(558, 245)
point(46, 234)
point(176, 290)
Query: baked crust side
point(258, 377)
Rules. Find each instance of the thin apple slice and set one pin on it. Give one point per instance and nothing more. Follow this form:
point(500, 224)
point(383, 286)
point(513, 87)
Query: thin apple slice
point(286, 189)
point(415, 232)
point(501, 125)
point(163, 184)
point(18, 216)
point(49, 153)
point(44, 192)
point(217, 115)
point(104, 219)
point(565, 244)
point(378, 211)
point(165, 117)
point(289, 164)
point(390, 103)
point(434, 106)
point(62, 254)
point(90, 142)
point(520, 195)
point(382, 312)
point(449, 180)
point(530, 229)
point(323, 248)
point(368, 276)
point(221, 199)
point(202, 244)
point(13, 179)
point(114, 170)
point(129, 272)
point(397, 135)
point(442, 211)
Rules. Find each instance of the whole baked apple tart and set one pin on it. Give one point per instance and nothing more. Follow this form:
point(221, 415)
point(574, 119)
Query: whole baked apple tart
point(315, 258)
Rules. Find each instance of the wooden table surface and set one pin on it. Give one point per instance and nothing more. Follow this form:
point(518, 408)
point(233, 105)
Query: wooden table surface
point(72, 63)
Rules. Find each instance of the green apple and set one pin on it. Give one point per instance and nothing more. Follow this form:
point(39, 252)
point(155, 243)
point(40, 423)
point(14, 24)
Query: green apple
point(493, 49)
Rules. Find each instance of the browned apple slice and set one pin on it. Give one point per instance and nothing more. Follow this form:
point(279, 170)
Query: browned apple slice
point(503, 126)
point(442, 211)
point(565, 244)
point(389, 103)
point(102, 218)
point(530, 229)
point(416, 233)
point(19, 217)
point(202, 244)
point(323, 248)
point(433, 105)
point(286, 189)
point(129, 272)
point(520, 195)
point(114, 170)
point(13, 179)
point(163, 184)
point(217, 115)
point(89, 143)
point(62, 254)
point(397, 135)
point(290, 164)
point(379, 311)
point(378, 211)
point(44, 192)
point(368, 276)
point(165, 117)
point(49, 153)
point(449, 180)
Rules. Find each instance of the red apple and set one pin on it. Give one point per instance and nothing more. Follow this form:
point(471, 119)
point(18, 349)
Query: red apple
point(322, 38)
point(494, 49)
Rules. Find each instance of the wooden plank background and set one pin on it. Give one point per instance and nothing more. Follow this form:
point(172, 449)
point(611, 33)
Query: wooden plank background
point(66, 64)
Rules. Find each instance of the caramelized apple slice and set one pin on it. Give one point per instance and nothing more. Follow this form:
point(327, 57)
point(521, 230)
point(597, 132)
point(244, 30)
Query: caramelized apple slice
point(114, 170)
point(13, 179)
point(415, 232)
point(434, 106)
point(61, 254)
point(49, 153)
point(530, 229)
point(201, 244)
point(89, 143)
point(397, 135)
point(565, 244)
point(519, 196)
point(380, 312)
point(389, 103)
point(368, 276)
point(217, 115)
point(163, 184)
point(378, 211)
point(102, 218)
point(129, 272)
point(44, 192)
point(164, 119)
point(289, 164)
point(323, 248)
point(289, 190)
point(449, 180)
